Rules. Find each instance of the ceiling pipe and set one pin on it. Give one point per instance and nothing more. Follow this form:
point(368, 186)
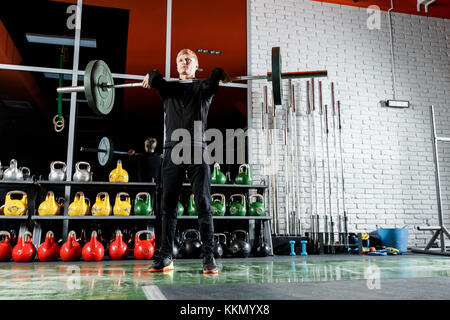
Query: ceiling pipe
point(426, 3)
point(392, 48)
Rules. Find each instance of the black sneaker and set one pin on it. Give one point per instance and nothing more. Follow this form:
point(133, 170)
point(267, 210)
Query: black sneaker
point(209, 265)
point(163, 264)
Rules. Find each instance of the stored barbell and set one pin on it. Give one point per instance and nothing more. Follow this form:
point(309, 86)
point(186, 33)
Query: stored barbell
point(99, 84)
point(105, 151)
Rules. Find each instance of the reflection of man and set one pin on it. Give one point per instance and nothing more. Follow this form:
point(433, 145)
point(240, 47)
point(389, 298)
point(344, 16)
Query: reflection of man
point(148, 168)
point(185, 103)
point(148, 165)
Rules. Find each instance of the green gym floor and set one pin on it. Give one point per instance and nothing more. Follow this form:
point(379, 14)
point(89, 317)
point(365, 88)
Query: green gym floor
point(337, 277)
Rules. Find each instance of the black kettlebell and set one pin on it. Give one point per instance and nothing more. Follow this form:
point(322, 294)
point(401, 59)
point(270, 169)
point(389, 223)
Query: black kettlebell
point(240, 247)
point(191, 247)
point(262, 250)
point(218, 250)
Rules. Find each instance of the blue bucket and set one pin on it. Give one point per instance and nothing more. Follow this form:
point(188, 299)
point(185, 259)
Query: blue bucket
point(396, 238)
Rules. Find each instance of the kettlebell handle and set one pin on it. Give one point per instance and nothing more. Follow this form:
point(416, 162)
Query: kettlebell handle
point(138, 234)
point(53, 167)
point(240, 195)
point(88, 166)
point(236, 232)
point(5, 233)
point(26, 233)
point(256, 195)
point(72, 234)
point(50, 234)
point(185, 232)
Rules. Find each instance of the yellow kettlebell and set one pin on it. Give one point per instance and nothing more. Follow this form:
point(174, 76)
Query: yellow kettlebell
point(80, 205)
point(15, 203)
point(119, 174)
point(102, 205)
point(49, 207)
point(122, 206)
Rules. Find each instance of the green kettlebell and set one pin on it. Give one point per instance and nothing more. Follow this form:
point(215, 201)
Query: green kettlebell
point(180, 209)
point(256, 208)
point(217, 176)
point(244, 175)
point(143, 204)
point(191, 208)
point(218, 205)
point(238, 205)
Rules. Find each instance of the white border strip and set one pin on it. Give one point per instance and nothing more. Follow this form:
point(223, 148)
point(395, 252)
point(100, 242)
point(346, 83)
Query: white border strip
point(153, 293)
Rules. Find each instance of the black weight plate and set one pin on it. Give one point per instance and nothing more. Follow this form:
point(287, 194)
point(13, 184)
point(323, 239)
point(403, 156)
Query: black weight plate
point(277, 89)
point(100, 99)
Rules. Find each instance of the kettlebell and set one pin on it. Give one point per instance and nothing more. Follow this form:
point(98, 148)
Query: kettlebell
point(24, 250)
point(256, 207)
point(80, 205)
point(143, 204)
point(217, 177)
point(118, 249)
point(49, 207)
point(49, 249)
point(238, 205)
point(71, 249)
point(244, 175)
point(102, 205)
point(262, 250)
point(57, 171)
point(191, 246)
point(118, 174)
point(218, 250)
point(180, 209)
point(13, 173)
point(26, 172)
point(191, 207)
point(144, 249)
point(240, 247)
point(122, 206)
point(15, 203)
point(5, 246)
point(82, 172)
point(218, 206)
point(94, 249)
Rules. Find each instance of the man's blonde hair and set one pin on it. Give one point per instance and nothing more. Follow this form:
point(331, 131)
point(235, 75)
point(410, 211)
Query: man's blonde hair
point(187, 51)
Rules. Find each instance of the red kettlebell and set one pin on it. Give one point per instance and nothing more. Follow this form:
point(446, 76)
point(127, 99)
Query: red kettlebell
point(49, 249)
point(118, 249)
point(5, 246)
point(93, 250)
point(24, 250)
point(144, 249)
point(71, 249)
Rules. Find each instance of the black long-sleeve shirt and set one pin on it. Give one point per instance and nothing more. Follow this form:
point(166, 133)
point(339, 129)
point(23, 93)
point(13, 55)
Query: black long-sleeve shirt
point(185, 103)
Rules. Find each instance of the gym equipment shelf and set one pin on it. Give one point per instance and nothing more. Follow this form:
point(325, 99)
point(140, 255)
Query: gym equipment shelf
point(37, 189)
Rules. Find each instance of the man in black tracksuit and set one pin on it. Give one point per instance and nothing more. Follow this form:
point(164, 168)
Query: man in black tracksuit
point(185, 104)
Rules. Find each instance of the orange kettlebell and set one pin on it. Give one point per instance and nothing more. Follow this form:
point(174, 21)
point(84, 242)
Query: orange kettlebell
point(118, 249)
point(24, 250)
point(144, 249)
point(49, 249)
point(94, 249)
point(5, 246)
point(71, 249)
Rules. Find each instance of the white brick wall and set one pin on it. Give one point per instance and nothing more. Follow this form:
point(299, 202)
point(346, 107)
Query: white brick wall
point(388, 159)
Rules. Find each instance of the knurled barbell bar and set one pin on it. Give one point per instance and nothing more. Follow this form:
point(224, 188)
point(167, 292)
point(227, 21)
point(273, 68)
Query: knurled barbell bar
point(99, 84)
point(105, 151)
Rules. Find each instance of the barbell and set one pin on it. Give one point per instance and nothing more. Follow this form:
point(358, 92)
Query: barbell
point(105, 151)
point(99, 85)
